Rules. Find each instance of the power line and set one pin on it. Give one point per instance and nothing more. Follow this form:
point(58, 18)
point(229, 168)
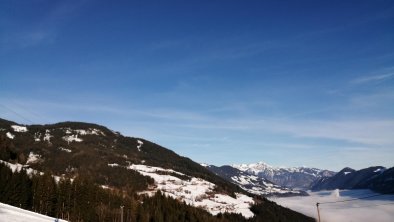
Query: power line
point(16, 113)
point(372, 205)
point(341, 201)
point(359, 198)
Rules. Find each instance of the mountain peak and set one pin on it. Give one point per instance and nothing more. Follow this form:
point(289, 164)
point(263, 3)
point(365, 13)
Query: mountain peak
point(294, 177)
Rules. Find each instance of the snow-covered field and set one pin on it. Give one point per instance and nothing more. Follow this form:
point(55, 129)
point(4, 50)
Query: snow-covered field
point(9, 213)
point(195, 191)
point(376, 209)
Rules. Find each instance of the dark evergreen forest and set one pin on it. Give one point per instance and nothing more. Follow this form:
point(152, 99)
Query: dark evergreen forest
point(82, 200)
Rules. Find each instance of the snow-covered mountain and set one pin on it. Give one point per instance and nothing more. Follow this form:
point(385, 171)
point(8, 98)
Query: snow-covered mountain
point(292, 177)
point(376, 178)
point(252, 183)
point(118, 163)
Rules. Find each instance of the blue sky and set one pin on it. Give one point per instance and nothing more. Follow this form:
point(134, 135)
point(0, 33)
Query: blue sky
point(289, 83)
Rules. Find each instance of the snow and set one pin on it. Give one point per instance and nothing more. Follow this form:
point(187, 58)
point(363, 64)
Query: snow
point(90, 131)
point(19, 129)
point(140, 143)
point(261, 167)
point(10, 213)
point(9, 135)
point(68, 131)
point(113, 164)
point(72, 138)
point(29, 171)
point(47, 136)
point(255, 185)
point(195, 191)
point(65, 149)
point(18, 167)
point(378, 170)
point(37, 136)
point(346, 173)
point(33, 158)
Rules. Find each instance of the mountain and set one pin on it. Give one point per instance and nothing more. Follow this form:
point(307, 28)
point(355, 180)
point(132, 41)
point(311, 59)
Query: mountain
point(382, 183)
point(376, 178)
point(251, 183)
point(294, 177)
point(108, 170)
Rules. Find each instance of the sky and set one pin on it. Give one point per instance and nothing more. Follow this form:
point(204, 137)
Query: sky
point(289, 83)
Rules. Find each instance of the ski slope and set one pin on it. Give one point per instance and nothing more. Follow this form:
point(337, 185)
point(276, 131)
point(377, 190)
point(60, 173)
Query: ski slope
point(10, 213)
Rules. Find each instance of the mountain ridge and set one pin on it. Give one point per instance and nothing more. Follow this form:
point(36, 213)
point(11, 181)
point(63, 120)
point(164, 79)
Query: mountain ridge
point(377, 178)
point(291, 177)
point(73, 149)
point(252, 183)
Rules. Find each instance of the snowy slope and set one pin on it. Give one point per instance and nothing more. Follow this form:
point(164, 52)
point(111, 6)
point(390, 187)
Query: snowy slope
point(292, 177)
point(10, 213)
point(194, 191)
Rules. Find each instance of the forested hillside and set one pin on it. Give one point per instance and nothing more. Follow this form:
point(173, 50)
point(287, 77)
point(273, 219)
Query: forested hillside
point(86, 172)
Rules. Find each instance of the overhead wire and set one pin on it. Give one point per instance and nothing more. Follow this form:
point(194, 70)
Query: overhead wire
point(16, 113)
point(353, 199)
point(370, 205)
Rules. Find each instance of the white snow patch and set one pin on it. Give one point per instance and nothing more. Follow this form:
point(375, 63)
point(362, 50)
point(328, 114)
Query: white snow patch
point(10, 135)
point(65, 149)
point(15, 214)
point(47, 136)
point(18, 167)
point(113, 164)
point(196, 192)
point(19, 129)
point(29, 171)
point(378, 170)
point(72, 138)
point(346, 173)
point(90, 131)
point(140, 143)
point(68, 131)
point(33, 158)
point(37, 136)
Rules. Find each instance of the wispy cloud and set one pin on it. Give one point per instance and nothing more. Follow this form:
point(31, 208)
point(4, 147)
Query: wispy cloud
point(38, 31)
point(374, 78)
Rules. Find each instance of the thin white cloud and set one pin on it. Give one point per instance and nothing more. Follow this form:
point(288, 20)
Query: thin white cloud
point(373, 78)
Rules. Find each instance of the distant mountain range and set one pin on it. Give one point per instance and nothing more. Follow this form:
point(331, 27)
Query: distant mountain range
point(263, 179)
point(252, 183)
point(292, 177)
point(376, 178)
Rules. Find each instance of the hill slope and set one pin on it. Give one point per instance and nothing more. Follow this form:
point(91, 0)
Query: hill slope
point(128, 165)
